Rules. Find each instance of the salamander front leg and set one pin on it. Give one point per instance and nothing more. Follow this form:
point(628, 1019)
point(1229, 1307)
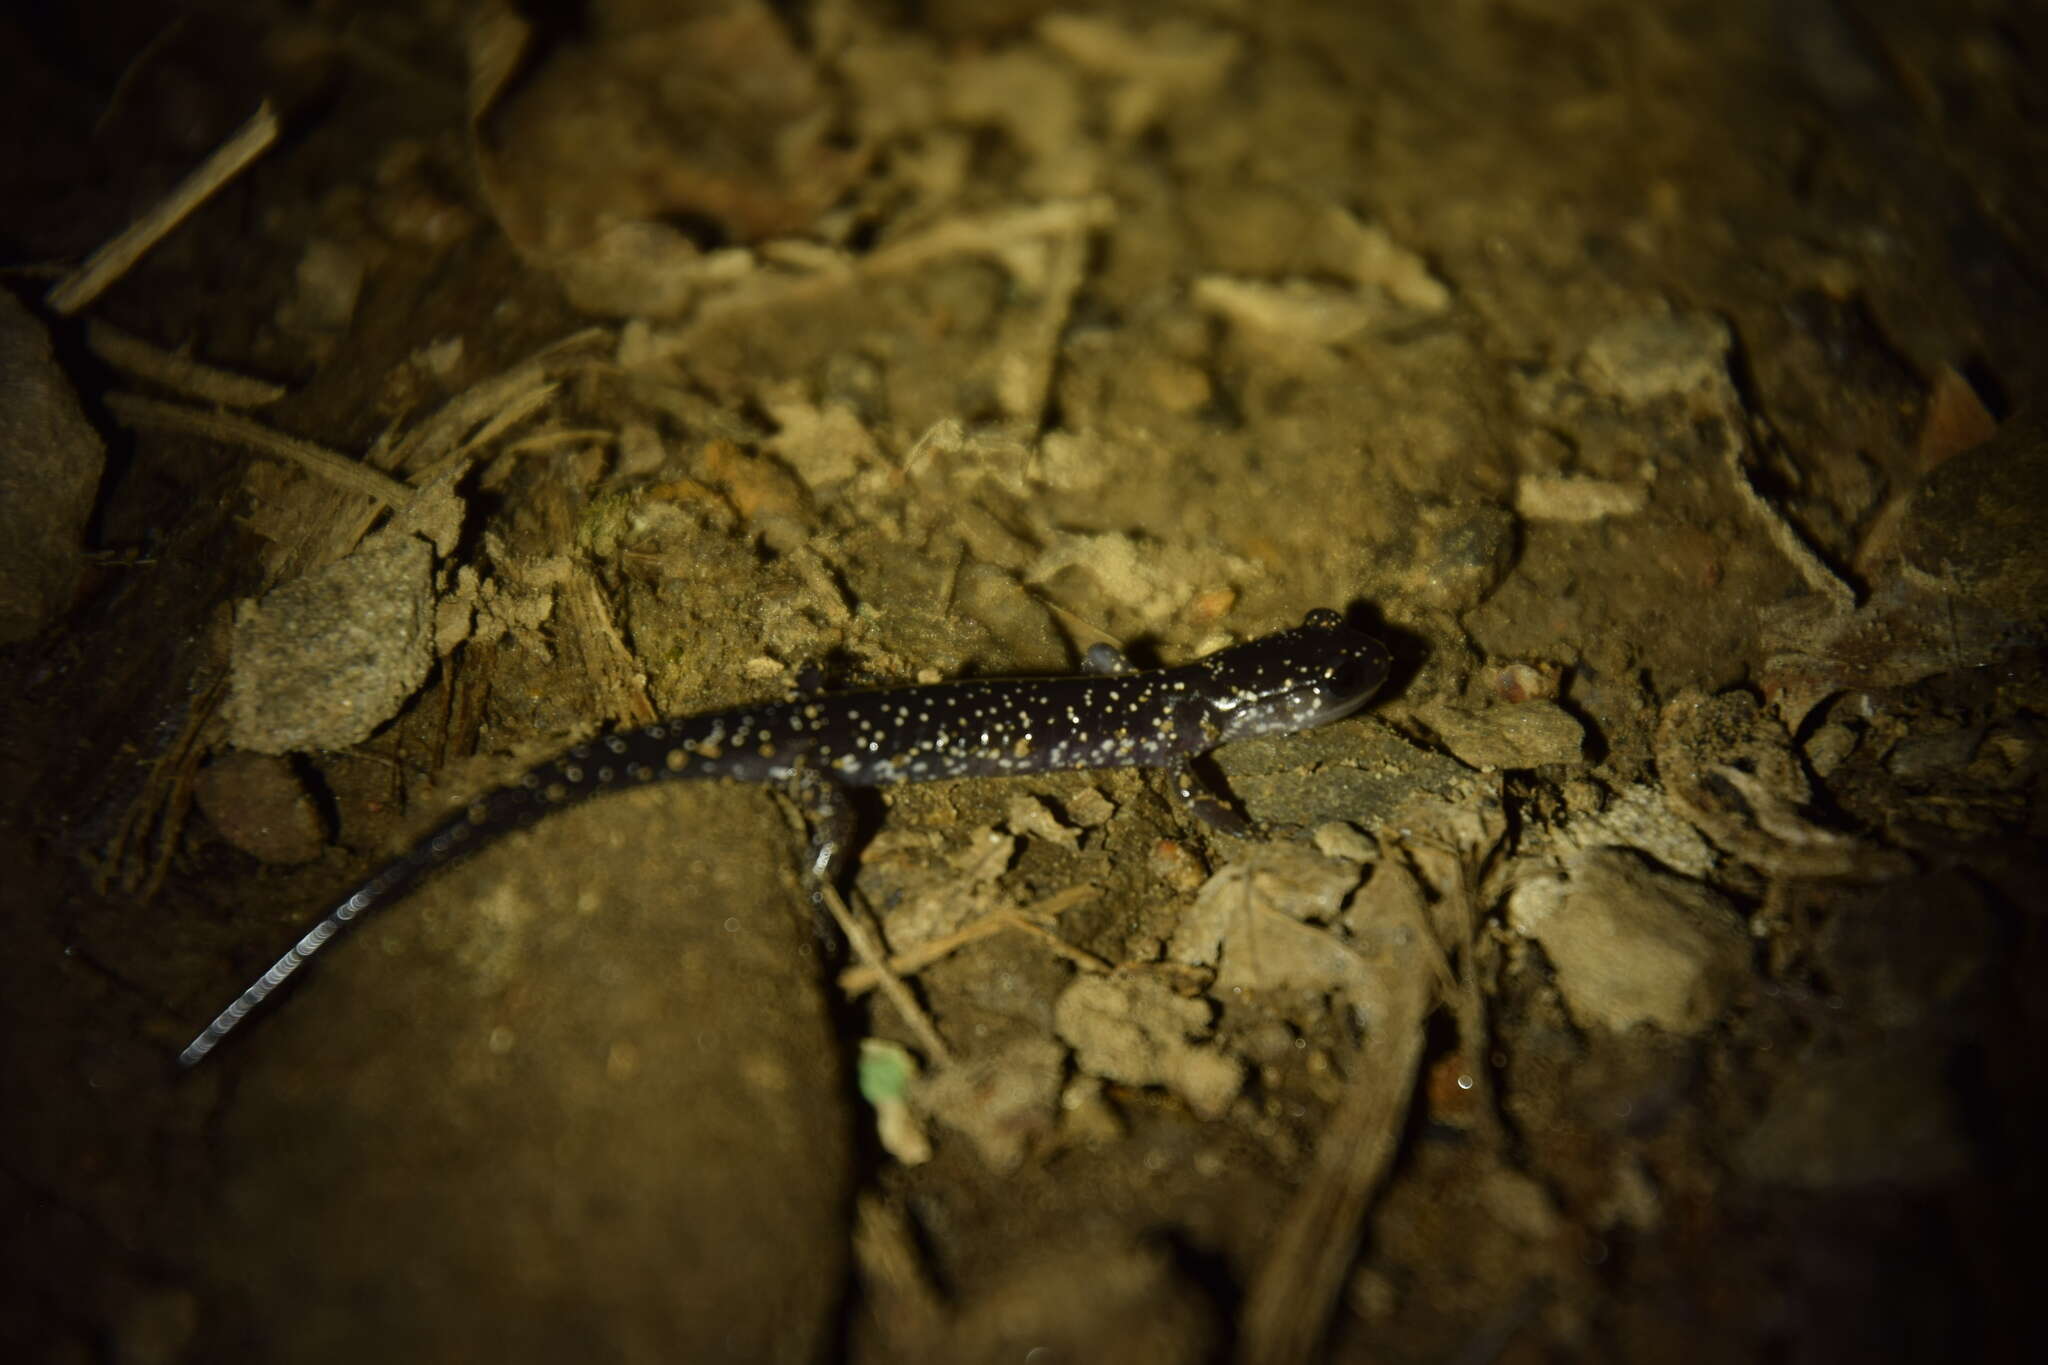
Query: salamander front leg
point(824, 802)
point(1208, 807)
point(1105, 661)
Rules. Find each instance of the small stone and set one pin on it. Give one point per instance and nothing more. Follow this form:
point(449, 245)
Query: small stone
point(1520, 682)
point(1577, 498)
point(642, 452)
point(1348, 843)
point(1639, 818)
point(257, 803)
point(326, 286)
point(1033, 816)
point(322, 661)
point(1632, 1201)
point(1248, 903)
point(1827, 746)
point(1005, 1101)
point(1298, 310)
point(1973, 526)
point(1520, 1205)
point(1368, 255)
point(762, 489)
point(1090, 809)
point(50, 463)
point(1928, 757)
point(1641, 359)
point(1457, 553)
point(1526, 735)
point(1177, 386)
point(1025, 634)
point(1092, 1297)
point(1087, 1116)
point(1633, 945)
point(1179, 866)
point(826, 444)
point(1136, 1030)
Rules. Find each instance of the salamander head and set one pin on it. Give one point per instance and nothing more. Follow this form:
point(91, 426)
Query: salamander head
point(1320, 671)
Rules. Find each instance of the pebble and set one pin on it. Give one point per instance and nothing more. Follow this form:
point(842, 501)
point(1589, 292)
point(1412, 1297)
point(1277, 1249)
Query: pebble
point(1137, 1031)
point(1577, 498)
point(1641, 359)
point(48, 477)
point(322, 661)
point(258, 804)
point(1526, 734)
point(1632, 944)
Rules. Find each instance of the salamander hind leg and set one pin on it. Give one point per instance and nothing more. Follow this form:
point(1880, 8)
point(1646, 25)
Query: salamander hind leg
point(828, 813)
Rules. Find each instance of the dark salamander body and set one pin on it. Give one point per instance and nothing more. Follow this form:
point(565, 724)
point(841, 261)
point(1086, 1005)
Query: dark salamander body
point(815, 747)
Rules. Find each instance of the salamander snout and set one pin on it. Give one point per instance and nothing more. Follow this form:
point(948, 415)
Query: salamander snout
point(1323, 670)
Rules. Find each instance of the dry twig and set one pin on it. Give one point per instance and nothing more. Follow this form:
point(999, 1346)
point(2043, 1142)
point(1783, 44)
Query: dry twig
point(180, 374)
point(113, 259)
point(1029, 920)
point(1810, 566)
point(1288, 1308)
point(136, 411)
point(868, 949)
point(139, 856)
point(1296, 1288)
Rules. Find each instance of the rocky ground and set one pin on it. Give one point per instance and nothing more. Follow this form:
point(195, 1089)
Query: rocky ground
point(1646, 975)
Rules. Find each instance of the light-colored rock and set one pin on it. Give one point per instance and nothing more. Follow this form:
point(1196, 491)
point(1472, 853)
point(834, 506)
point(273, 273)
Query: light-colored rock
point(1640, 818)
point(1631, 944)
point(1524, 735)
point(1004, 1101)
point(1577, 497)
point(1645, 358)
point(1136, 1030)
point(325, 659)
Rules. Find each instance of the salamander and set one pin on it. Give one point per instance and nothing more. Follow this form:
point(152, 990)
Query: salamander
point(816, 747)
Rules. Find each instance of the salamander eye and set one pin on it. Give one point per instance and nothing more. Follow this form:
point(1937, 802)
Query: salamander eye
point(1351, 677)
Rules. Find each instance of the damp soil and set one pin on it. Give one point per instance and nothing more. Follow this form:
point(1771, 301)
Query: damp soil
point(1647, 974)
